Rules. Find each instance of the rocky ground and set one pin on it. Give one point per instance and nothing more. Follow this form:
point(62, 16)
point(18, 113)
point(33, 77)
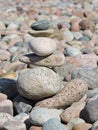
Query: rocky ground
point(49, 65)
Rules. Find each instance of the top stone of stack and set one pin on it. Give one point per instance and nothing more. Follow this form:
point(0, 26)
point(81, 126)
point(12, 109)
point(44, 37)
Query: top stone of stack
point(42, 46)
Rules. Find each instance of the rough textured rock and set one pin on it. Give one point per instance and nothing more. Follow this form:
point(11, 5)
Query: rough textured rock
point(42, 46)
point(71, 93)
point(44, 114)
point(41, 81)
point(87, 74)
point(56, 59)
point(53, 124)
point(73, 111)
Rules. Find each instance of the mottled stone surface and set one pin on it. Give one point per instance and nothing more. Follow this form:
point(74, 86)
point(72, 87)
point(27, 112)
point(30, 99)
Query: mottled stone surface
point(41, 81)
point(71, 93)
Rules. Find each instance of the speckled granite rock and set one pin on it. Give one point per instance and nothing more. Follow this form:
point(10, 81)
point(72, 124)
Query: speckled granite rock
point(71, 93)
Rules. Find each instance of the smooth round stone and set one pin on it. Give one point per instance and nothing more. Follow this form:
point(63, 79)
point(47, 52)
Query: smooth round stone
point(68, 35)
point(51, 33)
point(72, 92)
point(53, 124)
point(41, 81)
point(42, 46)
point(45, 114)
point(72, 51)
point(55, 59)
point(40, 25)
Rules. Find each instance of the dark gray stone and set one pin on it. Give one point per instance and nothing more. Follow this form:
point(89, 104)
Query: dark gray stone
point(8, 87)
point(91, 109)
point(40, 25)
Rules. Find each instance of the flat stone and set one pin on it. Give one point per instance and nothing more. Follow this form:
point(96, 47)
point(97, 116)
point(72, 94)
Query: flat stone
point(55, 59)
point(40, 25)
point(42, 46)
point(72, 92)
point(41, 81)
point(45, 114)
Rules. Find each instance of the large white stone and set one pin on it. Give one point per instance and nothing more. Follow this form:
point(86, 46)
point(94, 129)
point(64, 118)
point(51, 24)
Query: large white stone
point(38, 83)
point(42, 46)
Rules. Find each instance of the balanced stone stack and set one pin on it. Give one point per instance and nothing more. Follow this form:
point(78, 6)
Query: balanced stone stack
point(44, 53)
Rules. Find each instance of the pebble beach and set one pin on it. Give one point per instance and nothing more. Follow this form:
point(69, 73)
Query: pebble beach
point(49, 65)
